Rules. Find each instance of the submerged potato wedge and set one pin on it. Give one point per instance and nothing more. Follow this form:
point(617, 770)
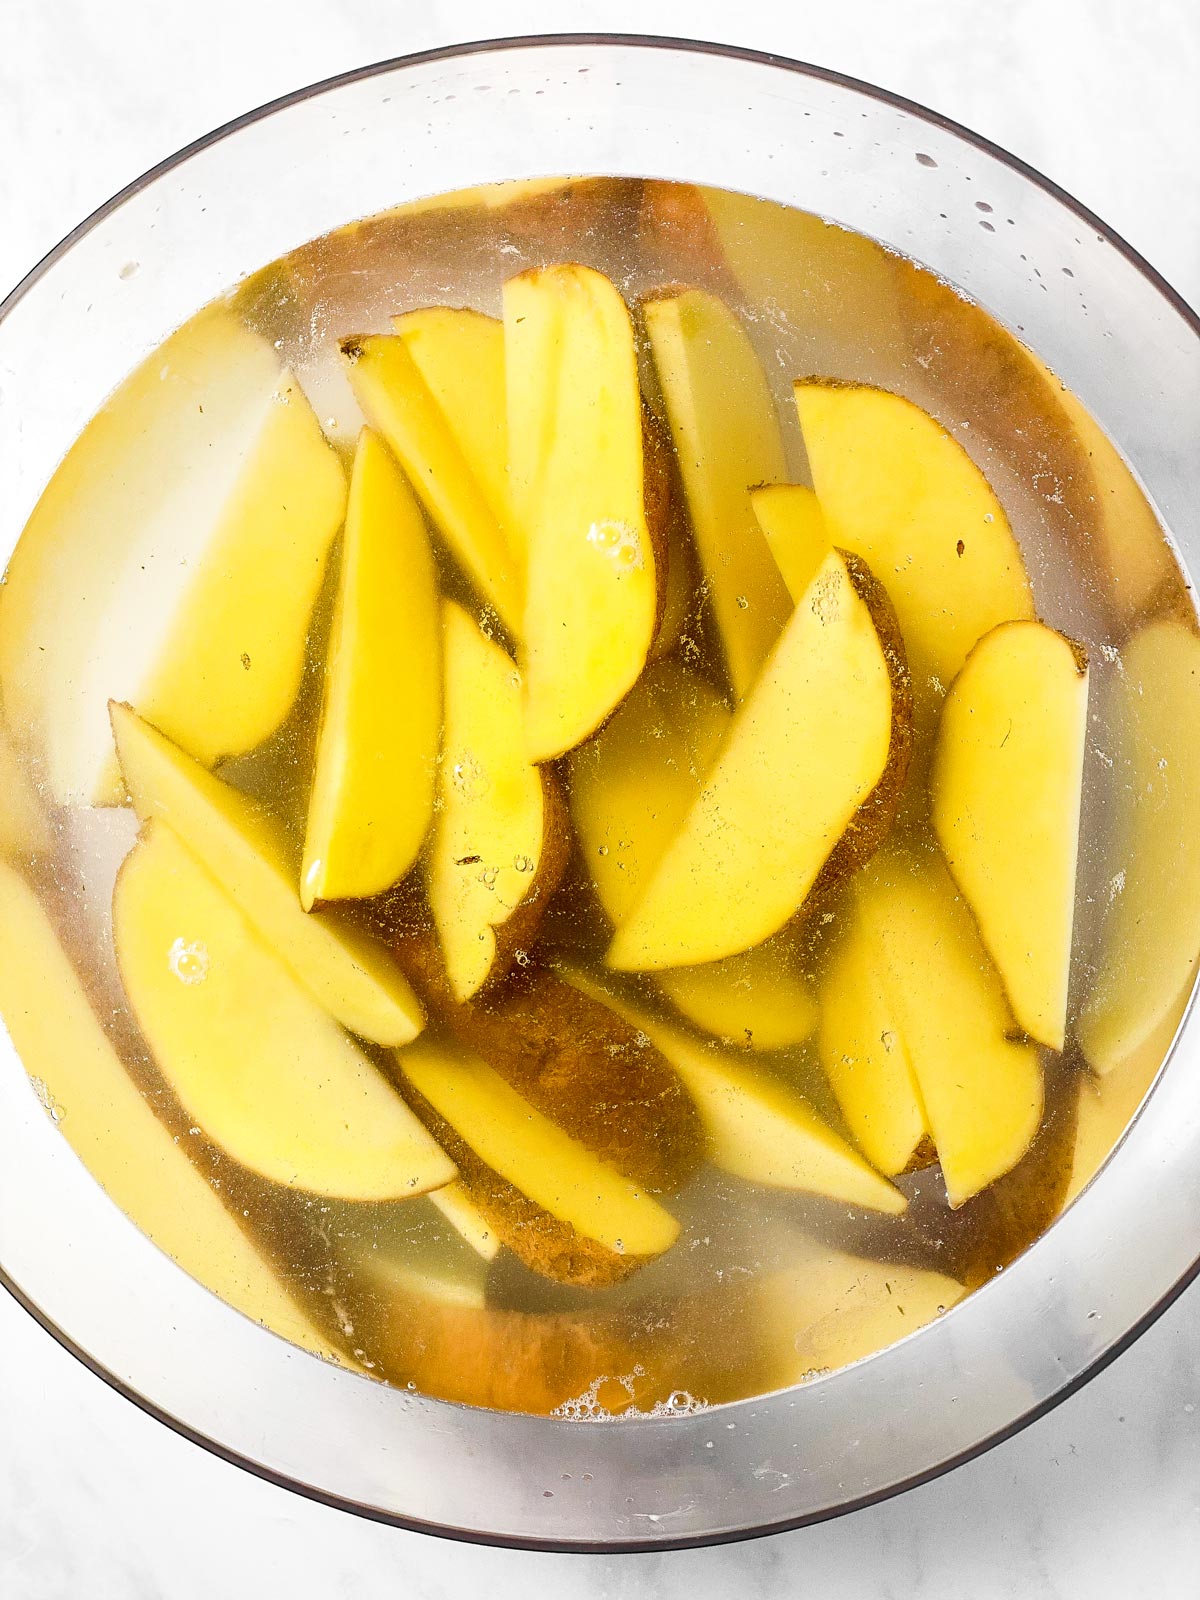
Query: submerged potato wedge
point(981, 1090)
point(584, 1065)
point(460, 356)
point(373, 780)
point(805, 784)
point(896, 489)
point(582, 490)
point(351, 976)
point(1005, 791)
point(466, 1219)
point(500, 839)
point(113, 1129)
point(758, 1127)
point(632, 785)
point(266, 1073)
point(727, 438)
point(759, 999)
point(151, 568)
point(401, 406)
point(793, 523)
point(556, 1204)
point(1151, 934)
point(863, 1050)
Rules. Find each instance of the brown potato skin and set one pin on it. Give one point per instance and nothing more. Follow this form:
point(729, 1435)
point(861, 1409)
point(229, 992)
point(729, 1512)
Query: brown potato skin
point(590, 1072)
point(519, 931)
point(873, 821)
point(546, 1244)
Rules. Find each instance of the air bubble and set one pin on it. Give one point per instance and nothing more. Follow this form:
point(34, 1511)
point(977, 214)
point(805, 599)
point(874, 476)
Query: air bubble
point(189, 961)
point(619, 542)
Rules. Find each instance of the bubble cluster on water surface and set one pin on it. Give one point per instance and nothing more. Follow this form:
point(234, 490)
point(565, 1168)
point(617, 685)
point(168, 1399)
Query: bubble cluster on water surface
point(588, 1407)
point(188, 960)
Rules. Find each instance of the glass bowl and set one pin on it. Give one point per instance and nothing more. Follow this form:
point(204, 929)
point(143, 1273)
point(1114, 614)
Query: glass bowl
point(1100, 317)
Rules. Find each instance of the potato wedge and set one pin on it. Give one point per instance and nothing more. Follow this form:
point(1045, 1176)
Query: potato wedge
point(267, 1075)
point(758, 1127)
point(500, 840)
point(460, 356)
point(804, 787)
point(1005, 791)
point(793, 523)
point(401, 406)
point(563, 1210)
point(898, 491)
point(981, 1089)
point(113, 1129)
point(581, 490)
point(373, 780)
point(349, 974)
point(759, 999)
point(1151, 935)
point(151, 568)
point(727, 438)
point(24, 825)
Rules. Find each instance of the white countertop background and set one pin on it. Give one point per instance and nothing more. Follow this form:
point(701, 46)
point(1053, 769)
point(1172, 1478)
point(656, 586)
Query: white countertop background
point(1100, 1499)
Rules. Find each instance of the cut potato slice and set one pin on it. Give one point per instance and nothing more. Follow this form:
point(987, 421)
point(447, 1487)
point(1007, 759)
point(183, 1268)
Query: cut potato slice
point(267, 1075)
point(528, 1151)
point(844, 1308)
point(896, 489)
point(981, 1089)
point(812, 763)
point(173, 560)
point(243, 847)
point(466, 1219)
point(460, 355)
point(1005, 790)
point(406, 410)
point(24, 825)
point(759, 999)
point(727, 438)
point(758, 1127)
point(633, 784)
point(383, 1253)
point(583, 494)
point(373, 781)
point(791, 518)
point(114, 1131)
point(500, 841)
point(1151, 932)
point(864, 1054)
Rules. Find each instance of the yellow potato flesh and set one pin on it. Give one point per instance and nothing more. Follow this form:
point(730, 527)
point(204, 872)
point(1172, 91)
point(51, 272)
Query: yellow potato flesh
point(757, 999)
point(633, 784)
point(263, 1070)
point(790, 517)
point(401, 407)
point(529, 1151)
point(1132, 557)
point(576, 468)
point(373, 780)
point(864, 1055)
point(1152, 928)
point(352, 977)
point(982, 1091)
point(151, 568)
point(896, 489)
point(1005, 791)
point(465, 1218)
point(804, 750)
point(727, 439)
point(460, 356)
point(113, 1129)
point(490, 828)
point(844, 1308)
point(758, 1127)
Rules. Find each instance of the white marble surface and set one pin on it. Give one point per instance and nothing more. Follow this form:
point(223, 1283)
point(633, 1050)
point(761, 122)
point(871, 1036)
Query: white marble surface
point(1102, 1498)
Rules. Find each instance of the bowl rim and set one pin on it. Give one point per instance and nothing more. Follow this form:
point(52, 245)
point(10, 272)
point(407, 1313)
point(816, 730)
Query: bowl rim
point(684, 46)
